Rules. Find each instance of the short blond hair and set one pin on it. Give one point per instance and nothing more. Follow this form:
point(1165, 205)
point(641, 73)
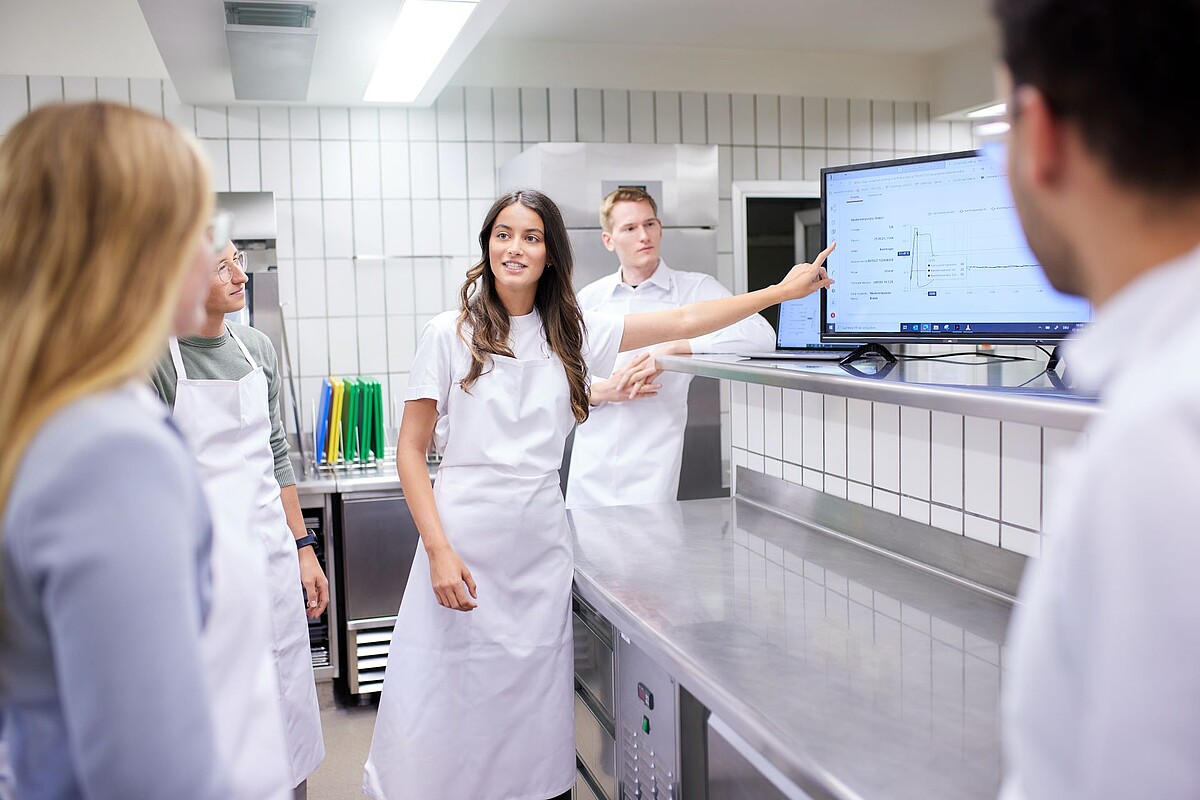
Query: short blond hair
point(101, 209)
point(624, 194)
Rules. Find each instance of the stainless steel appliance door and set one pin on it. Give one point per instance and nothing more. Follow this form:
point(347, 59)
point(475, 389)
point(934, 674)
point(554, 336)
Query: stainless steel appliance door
point(683, 178)
point(737, 772)
point(379, 539)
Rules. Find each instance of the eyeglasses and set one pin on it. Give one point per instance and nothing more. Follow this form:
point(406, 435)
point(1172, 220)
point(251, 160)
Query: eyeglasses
point(225, 268)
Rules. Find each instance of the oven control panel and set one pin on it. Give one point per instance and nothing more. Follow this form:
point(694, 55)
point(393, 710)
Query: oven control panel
point(647, 746)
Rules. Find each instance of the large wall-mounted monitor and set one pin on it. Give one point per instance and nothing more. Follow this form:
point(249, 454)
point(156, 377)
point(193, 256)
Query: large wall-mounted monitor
point(930, 250)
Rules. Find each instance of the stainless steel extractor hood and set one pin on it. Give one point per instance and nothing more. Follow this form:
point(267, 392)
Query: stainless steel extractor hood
point(271, 48)
point(681, 178)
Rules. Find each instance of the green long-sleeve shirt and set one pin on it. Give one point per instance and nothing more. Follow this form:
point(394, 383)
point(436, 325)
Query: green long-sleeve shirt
point(221, 359)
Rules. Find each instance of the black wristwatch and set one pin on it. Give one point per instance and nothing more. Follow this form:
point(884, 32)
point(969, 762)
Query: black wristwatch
point(309, 539)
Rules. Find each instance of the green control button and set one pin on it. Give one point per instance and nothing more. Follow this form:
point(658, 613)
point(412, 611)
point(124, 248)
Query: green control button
point(646, 724)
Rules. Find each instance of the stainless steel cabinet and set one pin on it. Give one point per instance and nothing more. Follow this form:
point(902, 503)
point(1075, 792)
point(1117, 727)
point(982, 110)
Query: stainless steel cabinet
point(626, 724)
point(377, 542)
point(595, 707)
point(583, 788)
point(736, 771)
point(322, 632)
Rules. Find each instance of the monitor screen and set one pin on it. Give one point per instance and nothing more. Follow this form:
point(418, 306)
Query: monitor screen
point(930, 250)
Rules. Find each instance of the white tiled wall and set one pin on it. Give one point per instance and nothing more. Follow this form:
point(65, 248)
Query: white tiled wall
point(377, 208)
point(976, 477)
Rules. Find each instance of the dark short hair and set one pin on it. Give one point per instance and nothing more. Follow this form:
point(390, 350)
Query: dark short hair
point(1119, 71)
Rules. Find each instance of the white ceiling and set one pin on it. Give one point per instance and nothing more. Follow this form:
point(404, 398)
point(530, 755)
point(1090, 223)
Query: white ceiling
point(865, 48)
point(908, 27)
point(77, 38)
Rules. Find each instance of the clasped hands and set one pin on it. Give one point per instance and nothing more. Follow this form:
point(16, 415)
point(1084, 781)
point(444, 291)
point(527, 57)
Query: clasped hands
point(633, 381)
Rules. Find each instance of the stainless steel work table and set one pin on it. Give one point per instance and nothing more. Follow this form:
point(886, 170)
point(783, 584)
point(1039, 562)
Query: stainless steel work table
point(1014, 391)
point(855, 674)
point(346, 479)
point(313, 481)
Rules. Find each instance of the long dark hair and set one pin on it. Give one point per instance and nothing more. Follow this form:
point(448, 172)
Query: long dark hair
point(484, 318)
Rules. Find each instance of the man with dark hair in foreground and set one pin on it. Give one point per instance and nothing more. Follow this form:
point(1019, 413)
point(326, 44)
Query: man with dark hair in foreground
point(1103, 700)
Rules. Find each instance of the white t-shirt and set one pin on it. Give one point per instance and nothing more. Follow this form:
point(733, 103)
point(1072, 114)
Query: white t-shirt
point(443, 359)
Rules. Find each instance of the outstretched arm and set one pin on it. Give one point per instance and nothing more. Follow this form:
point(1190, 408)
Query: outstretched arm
point(697, 319)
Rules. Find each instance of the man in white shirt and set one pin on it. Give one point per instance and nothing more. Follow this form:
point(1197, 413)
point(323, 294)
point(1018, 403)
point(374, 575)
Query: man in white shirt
point(630, 450)
point(1103, 697)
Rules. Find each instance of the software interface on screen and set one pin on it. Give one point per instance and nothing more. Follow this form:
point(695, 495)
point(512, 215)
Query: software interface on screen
point(800, 322)
point(934, 249)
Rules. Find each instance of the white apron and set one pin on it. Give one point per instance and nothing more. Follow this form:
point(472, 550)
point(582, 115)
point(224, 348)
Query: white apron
point(228, 425)
point(478, 705)
point(631, 453)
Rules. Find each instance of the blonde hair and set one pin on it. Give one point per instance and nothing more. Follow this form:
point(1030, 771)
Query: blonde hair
point(101, 209)
point(624, 194)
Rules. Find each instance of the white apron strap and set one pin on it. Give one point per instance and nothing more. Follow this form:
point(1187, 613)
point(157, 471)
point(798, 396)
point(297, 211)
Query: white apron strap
point(177, 358)
point(242, 347)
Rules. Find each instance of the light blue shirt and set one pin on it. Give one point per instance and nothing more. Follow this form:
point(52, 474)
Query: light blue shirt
point(105, 545)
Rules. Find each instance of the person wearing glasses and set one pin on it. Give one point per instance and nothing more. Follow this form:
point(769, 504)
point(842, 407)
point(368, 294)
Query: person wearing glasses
point(223, 386)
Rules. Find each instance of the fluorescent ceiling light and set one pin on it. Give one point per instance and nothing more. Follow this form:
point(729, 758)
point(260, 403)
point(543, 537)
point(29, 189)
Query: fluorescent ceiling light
point(420, 38)
point(990, 111)
point(991, 129)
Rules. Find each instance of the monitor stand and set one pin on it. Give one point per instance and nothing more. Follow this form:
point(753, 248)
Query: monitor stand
point(867, 350)
point(880, 374)
point(1055, 359)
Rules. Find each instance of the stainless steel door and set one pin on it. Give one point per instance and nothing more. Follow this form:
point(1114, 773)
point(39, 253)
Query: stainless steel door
point(379, 539)
point(593, 661)
point(737, 772)
point(595, 748)
point(682, 178)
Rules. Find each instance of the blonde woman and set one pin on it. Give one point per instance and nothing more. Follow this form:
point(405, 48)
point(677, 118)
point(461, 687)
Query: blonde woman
point(104, 532)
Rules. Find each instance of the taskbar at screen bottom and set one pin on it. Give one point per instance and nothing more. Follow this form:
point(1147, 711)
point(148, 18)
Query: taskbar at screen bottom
point(943, 329)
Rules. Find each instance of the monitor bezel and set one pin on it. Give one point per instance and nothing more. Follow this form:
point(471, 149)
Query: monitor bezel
point(899, 337)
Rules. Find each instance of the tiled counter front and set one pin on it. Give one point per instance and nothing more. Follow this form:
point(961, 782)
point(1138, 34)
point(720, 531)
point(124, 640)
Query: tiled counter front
point(985, 477)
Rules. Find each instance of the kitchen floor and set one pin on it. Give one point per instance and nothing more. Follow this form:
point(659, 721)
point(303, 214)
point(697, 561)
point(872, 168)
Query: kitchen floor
point(347, 739)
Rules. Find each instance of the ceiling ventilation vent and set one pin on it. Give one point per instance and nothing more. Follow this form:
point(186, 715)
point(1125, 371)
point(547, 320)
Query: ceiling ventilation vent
point(277, 15)
point(271, 48)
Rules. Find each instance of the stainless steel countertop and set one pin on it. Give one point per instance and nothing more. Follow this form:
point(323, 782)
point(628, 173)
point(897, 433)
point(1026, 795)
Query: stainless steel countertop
point(1013, 391)
point(347, 479)
point(856, 675)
